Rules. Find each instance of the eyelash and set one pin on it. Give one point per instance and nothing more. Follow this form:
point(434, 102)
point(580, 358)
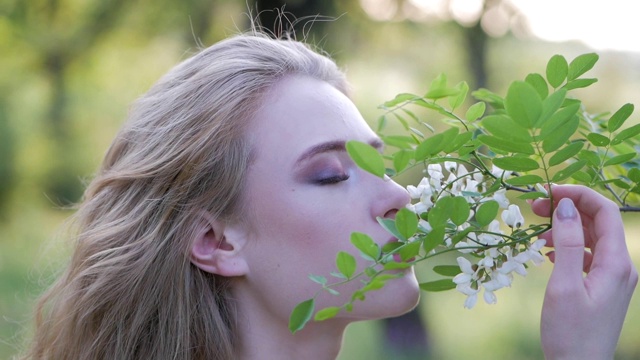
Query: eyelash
point(332, 179)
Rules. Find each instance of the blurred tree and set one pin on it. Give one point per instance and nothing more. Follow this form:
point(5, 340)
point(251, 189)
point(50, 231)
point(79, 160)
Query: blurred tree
point(62, 35)
point(59, 32)
point(7, 157)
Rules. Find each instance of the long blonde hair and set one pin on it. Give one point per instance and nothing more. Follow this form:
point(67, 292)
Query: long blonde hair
point(130, 290)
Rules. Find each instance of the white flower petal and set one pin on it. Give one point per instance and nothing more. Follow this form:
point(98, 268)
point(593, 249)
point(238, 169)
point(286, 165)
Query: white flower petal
point(462, 278)
point(465, 265)
point(470, 302)
point(490, 297)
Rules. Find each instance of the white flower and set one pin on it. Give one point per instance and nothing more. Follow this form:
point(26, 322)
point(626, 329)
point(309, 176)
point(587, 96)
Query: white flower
point(500, 197)
point(489, 296)
point(541, 188)
point(424, 226)
point(513, 217)
point(435, 171)
point(464, 280)
point(418, 207)
point(462, 172)
point(512, 265)
point(471, 300)
point(532, 253)
point(423, 188)
point(499, 173)
point(414, 192)
point(456, 184)
point(451, 166)
point(471, 186)
point(486, 262)
point(494, 227)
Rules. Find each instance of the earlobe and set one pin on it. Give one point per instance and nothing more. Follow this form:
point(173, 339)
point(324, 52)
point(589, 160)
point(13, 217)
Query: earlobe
point(216, 248)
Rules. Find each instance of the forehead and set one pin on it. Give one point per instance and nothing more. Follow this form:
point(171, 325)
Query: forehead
point(300, 111)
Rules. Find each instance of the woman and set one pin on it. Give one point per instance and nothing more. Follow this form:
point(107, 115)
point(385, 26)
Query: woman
point(230, 183)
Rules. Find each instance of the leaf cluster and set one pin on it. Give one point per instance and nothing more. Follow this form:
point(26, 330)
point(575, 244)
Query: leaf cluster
point(536, 134)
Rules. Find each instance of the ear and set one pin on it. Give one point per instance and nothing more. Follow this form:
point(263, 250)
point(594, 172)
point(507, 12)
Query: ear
point(216, 248)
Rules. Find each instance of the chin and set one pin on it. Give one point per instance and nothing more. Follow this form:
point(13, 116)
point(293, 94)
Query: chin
point(396, 298)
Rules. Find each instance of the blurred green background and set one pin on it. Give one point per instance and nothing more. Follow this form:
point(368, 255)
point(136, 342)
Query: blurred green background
point(70, 68)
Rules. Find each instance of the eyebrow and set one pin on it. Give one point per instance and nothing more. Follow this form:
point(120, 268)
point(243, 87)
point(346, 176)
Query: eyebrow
point(337, 145)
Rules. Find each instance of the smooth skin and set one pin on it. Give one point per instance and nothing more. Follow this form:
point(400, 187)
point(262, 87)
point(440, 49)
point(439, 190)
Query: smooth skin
point(593, 279)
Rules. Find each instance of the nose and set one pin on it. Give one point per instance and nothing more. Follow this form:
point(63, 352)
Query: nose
point(390, 198)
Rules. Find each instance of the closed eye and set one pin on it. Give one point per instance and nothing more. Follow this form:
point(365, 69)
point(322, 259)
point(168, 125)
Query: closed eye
point(332, 179)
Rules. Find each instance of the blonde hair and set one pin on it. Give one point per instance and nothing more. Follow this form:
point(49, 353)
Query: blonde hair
point(130, 290)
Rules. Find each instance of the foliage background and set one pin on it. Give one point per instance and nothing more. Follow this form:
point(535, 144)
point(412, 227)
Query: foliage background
point(69, 69)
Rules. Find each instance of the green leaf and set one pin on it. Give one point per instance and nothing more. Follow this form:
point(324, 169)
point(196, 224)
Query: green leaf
point(503, 127)
point(300, 315)
point(581, 65)
point(490, 97)
point(538, 83)
point(558, 119)
point(433, 145)
point(438, 88)
point(533, 195)
point(634, 175)
point(557, 69)
point(400, 98)
point(447, 270)
point(505, 145)
point(590, 156)
point(621, 184)
point(626, 134)
point(582, 177)
point(523, 104)
point(561, 135)
point(346, 263)
point(400, 141)
point(487, 212)
point(392, 265)
point(366, 245)
point(434, 238)
point(440, 213)
point(459, 141)
point(550, 105)
point(598, 139)
point(619, 159)
point(390, 226)
point(475, 111)
point(516, 163)
point(406, 222)
point(568, 171)
point(366, 157)
point(457, 237)
point(620, 116)
point(382, 123)
point(463, 90)
point(579, 83)
point(327, 313)
point(439, 82)
point(318, 279)
point(391, 247)
point(401, 159)
point(461, 210)
point(566, 153)
point(410, 250)
point(524, 180)
point(438, 285)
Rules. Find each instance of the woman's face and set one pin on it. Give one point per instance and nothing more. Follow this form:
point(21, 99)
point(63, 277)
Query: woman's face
point(305, 196)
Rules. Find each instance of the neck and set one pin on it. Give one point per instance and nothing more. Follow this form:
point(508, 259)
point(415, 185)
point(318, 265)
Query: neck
point(263, 335)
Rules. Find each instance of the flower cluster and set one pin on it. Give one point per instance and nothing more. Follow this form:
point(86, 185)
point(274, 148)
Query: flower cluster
point(497, 255)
